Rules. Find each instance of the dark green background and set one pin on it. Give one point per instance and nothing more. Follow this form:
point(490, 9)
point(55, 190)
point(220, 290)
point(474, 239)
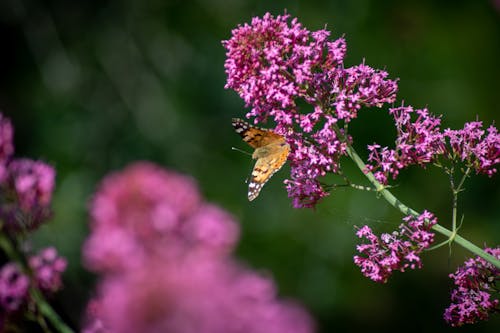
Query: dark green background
point(94, 85)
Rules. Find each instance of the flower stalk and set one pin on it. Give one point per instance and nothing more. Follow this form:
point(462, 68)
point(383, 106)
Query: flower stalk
point(48, 312)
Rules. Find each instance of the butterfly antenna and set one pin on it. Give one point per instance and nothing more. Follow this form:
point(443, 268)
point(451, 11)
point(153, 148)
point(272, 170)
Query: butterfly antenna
point(247, 153)
point(241, 151)
point(249, 176)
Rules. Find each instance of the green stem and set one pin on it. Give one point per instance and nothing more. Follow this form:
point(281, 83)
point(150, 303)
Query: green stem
point(395, 202)
point(454, 209)
point(7, 246)
point(48, 312)
point(455, 191)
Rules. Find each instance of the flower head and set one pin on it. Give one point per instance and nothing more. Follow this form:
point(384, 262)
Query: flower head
point(47, 267)
point(479, 151)
point(143, 209)
point(195, 294)
point(419, 142)
point(380, 256)
point(473, 299)
point(13, 287)
point(275, 65)
point(164, 259)
point(27, 196)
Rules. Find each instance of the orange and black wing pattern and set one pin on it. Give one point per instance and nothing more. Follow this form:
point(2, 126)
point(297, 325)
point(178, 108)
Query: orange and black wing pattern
point(271, 152)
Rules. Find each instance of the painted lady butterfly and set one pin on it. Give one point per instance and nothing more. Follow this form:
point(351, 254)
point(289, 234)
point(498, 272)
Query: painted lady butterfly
point(271, 152)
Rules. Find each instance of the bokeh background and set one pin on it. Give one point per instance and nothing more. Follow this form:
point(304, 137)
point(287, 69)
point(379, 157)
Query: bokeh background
point(94, 85)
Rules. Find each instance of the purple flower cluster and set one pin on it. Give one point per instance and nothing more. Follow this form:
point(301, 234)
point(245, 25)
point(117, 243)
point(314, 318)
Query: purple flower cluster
point(164, 259)
point(26, 186)
point(14, 287)
point(420, 141)
point(380, 256)
point(275, 64)
point(47, 267)
point(478, 151)
point(473, 299)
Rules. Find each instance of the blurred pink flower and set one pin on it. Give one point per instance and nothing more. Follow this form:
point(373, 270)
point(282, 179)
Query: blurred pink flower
point(146, 209)
point(14, 287)
point(28, 188)
point(195, 293)
point(47, 267)
point(164, 259)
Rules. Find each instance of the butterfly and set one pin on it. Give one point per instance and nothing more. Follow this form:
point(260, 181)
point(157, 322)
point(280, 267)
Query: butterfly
point(271, 152)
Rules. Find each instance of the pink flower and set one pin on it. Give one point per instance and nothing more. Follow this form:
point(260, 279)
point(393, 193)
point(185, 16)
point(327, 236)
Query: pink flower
point(142, 209)
point(165, 265)
point(419, 142)
point(381, 256)
point(29, 185)
point(47, 267)
point(14, 287)
point(194, 293)
point(275, 64)
point(479, 151)
point(477, 283)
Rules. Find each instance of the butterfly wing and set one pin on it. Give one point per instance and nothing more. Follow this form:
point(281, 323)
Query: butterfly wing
point(265, 167)
point(255, 136)
point(271, 152)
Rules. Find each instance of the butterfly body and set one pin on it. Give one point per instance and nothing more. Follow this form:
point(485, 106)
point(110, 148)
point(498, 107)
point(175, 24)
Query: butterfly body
point(271, 152)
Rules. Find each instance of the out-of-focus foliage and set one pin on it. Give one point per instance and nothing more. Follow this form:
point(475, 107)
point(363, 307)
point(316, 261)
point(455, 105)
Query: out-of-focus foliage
point(93, 85)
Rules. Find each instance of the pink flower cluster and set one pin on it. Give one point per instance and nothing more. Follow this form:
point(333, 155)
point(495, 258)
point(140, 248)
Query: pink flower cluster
point(47, 267)
point(420, 141)
point(476, 282)
point(478, 151)
point(14, 287)
point(15, 284)
point(380, 256)
point(164, 259)
point(275, 65)
point(26, 186)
